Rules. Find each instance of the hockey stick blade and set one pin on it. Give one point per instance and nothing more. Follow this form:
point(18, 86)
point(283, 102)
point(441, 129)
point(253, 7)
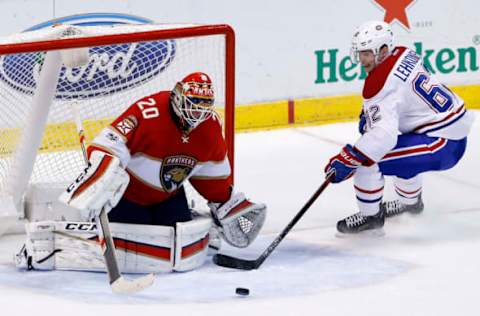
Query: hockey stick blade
point(234, 263)
point(241, 264)
point(124, 286)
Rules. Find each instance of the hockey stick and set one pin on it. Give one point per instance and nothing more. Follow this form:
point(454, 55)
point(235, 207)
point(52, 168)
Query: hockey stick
point(118, 283)
point(243, 264)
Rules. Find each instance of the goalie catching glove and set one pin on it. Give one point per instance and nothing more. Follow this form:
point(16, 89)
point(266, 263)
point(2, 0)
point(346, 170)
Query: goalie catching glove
point(238, 219)
point(100, 185)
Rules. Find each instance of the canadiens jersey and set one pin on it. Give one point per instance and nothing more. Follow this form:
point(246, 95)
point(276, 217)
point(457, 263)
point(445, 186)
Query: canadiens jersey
point(400, 96)
point(159, 157)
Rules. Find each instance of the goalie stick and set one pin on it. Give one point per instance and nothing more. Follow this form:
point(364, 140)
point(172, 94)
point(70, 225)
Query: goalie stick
point(245, 264)
point(117, 282)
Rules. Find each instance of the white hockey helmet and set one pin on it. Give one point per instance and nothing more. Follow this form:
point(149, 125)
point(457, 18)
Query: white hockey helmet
point(193, 99)
point(372, 35)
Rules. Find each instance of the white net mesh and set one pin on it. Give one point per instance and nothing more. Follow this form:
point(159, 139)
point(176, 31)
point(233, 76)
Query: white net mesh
point(116, 76)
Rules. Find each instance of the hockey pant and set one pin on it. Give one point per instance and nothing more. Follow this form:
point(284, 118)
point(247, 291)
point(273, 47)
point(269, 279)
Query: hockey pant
point(413, 155)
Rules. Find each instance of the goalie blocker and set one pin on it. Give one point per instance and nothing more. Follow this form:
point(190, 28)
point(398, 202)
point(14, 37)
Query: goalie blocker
point(100, 185)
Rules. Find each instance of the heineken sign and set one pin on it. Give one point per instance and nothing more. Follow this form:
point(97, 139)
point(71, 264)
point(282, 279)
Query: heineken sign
point(333, 68)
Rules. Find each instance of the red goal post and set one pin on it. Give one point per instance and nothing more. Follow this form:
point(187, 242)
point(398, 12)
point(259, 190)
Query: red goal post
point(20, 45)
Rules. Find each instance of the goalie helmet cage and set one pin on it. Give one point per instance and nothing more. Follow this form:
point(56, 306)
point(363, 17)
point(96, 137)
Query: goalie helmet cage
point(40, 96)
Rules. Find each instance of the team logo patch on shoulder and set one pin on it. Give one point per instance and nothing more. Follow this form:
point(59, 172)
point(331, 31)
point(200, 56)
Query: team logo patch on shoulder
point(175, 170)
point(126, 125)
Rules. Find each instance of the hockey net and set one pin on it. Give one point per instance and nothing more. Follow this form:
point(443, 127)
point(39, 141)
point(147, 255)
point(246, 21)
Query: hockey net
point(40, 98)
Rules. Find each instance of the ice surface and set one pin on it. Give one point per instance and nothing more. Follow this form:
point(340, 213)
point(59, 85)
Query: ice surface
point(283, 276)
point(424, 265)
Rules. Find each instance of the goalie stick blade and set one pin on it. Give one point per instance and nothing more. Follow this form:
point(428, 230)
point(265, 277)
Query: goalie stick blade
point(124, 286)
point(234, 263)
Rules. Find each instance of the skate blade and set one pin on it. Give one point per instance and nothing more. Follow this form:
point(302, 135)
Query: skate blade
point(371, 233)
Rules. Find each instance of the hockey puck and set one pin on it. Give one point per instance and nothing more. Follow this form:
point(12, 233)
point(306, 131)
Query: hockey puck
point(242, 291)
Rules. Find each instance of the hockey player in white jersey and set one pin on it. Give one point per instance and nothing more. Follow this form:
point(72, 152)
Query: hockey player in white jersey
point(410, 124)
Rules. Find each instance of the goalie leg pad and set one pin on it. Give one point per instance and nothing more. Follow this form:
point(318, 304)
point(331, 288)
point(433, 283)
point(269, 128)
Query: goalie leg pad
point(144, 248)
point(39, 248)
point(139, 248)
point(74, 246)
point(192, 241)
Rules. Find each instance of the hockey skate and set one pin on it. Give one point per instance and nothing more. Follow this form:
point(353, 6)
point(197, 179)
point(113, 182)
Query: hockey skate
point(395, 207)
point(358, 223)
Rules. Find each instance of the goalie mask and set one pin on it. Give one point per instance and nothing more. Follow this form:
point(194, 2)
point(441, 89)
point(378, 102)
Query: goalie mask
point(372, 36)
point(193, 99)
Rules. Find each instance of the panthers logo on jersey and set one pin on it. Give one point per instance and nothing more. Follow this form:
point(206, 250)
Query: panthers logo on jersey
point(175, 170)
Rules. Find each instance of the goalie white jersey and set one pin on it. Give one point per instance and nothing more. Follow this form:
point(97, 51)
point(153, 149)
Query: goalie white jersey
point(401, 96)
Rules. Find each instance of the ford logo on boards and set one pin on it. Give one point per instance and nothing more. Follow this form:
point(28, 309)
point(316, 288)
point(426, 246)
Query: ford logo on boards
point(110, 68)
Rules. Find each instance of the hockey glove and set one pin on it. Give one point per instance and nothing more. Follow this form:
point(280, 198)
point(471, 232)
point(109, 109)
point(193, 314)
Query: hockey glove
point(344, 164)
point(238, 220)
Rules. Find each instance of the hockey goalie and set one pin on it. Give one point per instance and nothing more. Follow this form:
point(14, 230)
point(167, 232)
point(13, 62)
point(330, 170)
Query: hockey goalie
point(137, 168)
